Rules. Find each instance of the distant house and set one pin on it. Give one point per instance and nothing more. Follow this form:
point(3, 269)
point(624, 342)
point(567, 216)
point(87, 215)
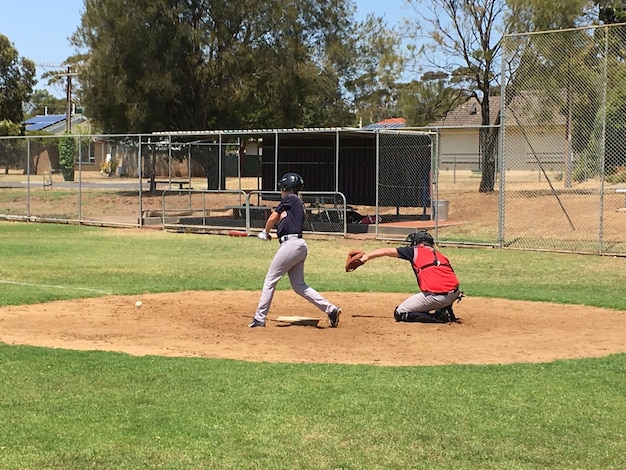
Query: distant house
point(44, 152)
point(52, 123)
point(533, 134)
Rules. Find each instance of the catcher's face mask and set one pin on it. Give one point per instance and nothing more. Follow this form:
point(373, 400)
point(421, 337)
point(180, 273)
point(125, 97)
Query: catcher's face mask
point(415, 238)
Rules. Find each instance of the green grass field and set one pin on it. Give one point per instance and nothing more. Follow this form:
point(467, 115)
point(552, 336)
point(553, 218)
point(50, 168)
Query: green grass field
point(75, 410)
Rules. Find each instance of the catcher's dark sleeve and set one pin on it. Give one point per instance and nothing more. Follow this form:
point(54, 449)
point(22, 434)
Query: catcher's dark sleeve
point(406, 253)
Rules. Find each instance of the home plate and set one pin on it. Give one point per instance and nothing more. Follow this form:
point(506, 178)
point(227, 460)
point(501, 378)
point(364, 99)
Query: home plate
point(294, 320)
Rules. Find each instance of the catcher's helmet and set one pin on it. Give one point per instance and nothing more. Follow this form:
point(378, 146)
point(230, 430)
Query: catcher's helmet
point(421, 236)
point(291, 181)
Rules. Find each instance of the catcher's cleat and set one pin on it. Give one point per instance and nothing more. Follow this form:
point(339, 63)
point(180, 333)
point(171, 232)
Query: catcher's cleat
point(256, 323)
point(333, 317)
point(445, 315)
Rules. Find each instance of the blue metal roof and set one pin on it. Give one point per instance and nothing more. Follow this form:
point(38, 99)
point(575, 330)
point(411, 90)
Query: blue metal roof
point(395, 125)
point(38, 123)
point(390, 123)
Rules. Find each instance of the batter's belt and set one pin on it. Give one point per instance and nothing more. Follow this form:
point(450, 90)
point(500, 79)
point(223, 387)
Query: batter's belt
point(284, 238)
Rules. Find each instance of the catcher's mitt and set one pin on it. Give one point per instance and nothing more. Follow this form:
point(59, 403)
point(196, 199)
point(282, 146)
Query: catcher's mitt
point(354, 260)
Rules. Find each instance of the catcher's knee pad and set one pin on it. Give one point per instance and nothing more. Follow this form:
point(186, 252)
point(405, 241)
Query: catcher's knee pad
point(421, 317)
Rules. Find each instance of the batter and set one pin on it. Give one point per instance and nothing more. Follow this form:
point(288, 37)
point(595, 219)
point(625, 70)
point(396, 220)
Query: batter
point(291, 254)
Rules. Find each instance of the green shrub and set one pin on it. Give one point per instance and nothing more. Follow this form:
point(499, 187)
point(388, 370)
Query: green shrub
point(67, 159)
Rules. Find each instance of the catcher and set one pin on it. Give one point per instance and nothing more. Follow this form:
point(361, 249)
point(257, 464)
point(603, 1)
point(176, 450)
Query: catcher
point(436, 279)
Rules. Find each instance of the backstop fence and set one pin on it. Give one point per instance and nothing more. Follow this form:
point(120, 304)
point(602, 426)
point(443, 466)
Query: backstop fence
point(382, 183)
point(563, 170)
point(558, 181)
point(214, 181)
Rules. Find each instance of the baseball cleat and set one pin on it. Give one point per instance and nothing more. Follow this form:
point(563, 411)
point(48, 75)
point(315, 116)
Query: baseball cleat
point(256, 323)
point(333, 317)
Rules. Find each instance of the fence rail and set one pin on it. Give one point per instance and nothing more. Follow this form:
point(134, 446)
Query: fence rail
point(379, 184)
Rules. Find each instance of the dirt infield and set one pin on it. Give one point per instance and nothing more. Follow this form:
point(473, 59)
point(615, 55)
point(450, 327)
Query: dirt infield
point(213, 325)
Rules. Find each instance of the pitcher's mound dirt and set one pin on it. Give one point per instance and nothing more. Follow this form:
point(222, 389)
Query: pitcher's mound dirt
point(213, 324)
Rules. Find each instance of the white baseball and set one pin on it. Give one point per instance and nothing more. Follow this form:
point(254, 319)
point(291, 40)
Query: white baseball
point(138, 303)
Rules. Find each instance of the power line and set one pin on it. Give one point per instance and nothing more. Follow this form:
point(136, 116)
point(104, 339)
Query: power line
point(49, 65)
point(68, 74)
point(53, 68)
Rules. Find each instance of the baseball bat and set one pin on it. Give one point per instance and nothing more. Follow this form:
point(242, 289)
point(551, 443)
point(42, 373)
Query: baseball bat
point(239, 233)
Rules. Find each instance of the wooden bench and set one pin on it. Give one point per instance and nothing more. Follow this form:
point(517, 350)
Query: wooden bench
point(325, 208)
point(182, 184)
point(328, 214)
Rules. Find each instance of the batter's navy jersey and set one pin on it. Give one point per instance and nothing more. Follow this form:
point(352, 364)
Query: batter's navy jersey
point(291, 210)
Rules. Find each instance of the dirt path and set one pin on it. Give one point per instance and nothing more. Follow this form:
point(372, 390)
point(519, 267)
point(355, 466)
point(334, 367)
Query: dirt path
point(213, 324)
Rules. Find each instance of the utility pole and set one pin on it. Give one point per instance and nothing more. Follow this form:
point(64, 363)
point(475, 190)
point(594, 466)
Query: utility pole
point(68, 103)
point(68, 97)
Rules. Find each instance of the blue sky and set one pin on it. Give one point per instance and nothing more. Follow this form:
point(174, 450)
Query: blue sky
point(40, 29)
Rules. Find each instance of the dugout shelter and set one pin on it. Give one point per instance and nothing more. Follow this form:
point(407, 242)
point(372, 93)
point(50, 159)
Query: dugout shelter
point(368, 167)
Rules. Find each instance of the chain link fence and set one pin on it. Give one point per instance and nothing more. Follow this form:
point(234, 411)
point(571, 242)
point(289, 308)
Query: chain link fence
point(404, 182)
point(192, 181)
point(558, 180)
point(116, 180)
point(563, 144)
point(466, 215)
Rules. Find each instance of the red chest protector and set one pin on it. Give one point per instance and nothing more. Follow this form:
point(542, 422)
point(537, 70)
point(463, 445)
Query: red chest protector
point(433, 271)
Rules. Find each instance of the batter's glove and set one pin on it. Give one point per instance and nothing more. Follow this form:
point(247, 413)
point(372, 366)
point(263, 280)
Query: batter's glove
point(264, 236)
point(354, 260)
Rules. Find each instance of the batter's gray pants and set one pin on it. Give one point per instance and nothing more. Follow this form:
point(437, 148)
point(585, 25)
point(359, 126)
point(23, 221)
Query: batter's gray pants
point(289, 259)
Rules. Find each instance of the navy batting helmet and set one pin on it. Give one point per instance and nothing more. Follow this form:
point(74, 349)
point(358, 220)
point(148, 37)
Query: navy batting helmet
point(420, 236)
point(291, 181)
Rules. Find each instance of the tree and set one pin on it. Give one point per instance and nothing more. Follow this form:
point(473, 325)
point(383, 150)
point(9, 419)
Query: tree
point(467, 38)
point(374, 88)
point(546, 15)
point(138, 75)
point(10, 149)
point(424, 101)
point(151, 65)
point(611, 11)
point(563, 67)
point(42, 102)
point(463, 35)
point(17, 78)
point(609, 123)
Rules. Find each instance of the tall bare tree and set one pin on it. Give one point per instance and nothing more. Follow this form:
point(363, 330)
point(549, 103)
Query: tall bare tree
point(557, 67)
point(464, 41)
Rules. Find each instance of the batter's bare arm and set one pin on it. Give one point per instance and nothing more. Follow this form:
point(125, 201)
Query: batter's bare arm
point(269, 225)
point(379, 252)
point(271, 221)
